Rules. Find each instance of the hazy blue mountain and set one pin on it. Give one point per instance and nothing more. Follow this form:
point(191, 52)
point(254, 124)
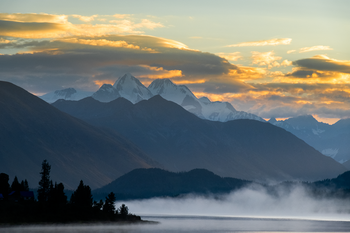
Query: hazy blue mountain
point(245, 149)
point(153, 182)
point(203, 107)
point(331, 140)
point(67, 94)
point(106, 93)
point(32, 130)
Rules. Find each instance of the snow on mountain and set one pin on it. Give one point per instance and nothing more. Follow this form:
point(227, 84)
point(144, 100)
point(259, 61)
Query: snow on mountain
point(67, 94)
point(203, 107)
point(132, 89)
point(106, 93)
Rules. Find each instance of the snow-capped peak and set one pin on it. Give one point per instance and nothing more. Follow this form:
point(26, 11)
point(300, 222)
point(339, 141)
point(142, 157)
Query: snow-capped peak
point(131, 88)
point(204, 100)
point(67, 94)
point(170, 91)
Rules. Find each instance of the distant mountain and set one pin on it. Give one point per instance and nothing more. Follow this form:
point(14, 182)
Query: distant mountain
point(330, 140)
point(203, 107)
point(133, 90)
point(66, 94)
point(127, 87)
point(153, 182)
point(106, 93)
point(179, 140)
point(31, 130)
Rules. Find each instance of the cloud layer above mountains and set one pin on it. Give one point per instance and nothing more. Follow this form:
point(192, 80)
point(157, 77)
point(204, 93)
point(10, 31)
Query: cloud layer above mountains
point(58, 51)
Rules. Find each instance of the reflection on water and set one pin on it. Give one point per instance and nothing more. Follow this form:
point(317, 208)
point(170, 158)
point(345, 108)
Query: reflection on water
point(172, 224)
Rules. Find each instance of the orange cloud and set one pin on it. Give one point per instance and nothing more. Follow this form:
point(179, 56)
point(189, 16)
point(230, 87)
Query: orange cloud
point(314, 48)
point(230, 56)
point(266, 59)
point(100, 42)
point(105, 81)
point(54, 26)
point(85, 18)
point(34, 18)
point(281, 41)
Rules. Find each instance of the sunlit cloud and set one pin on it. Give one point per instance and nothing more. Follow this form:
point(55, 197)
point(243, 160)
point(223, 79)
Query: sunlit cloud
point(100, 42)
point(324, 63)
point(291, 51)
point(268, 59)
point(281, 41)
point(54, 26)
point(85, 18)
point(121, 16)
point(230, 56)
point(34, 18)
point(314, 48)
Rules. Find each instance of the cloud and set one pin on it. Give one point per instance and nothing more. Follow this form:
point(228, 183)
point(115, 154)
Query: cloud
point(54, 26)
point(106, 57)
point(291, 51)
point(281, 41)
point(314, 48)
point(121, 16)
point(85, 18)
point(34, 18)
point(268, 59)
point(230, 56)
point(324, 63)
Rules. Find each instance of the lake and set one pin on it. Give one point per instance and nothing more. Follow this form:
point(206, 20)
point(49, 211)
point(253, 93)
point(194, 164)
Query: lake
point(195, 224)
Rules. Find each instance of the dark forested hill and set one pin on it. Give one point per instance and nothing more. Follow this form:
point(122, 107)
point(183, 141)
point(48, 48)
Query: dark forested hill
point(154, 182)
point(179, 140)
point(32, 130)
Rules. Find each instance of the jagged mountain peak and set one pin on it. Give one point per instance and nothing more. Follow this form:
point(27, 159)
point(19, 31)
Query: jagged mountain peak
point(204, 100)
point(67, 94)
point(131, 88)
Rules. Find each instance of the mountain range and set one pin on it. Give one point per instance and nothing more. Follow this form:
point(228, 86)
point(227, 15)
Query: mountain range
point(155, 182)
point(133, 90)
point(331, 140)
point(181, 141)
point(32, 130)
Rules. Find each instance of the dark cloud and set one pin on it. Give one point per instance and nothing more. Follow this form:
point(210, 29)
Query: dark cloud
point(84, 61)
point(19, 29)
point(323, 64)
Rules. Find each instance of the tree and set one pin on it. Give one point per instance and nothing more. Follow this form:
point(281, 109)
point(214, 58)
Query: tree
point(4, 184)
point(108, 206)
point(81, 199)
point(123, 210)
point(16, 186)
point(44, 183)
point(24, 185)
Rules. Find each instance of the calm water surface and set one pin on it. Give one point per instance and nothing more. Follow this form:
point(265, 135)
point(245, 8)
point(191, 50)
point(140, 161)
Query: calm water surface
point(172, 224)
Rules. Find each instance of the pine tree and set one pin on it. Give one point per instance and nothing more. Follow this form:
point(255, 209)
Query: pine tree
point(123, 210)
point(16, 186)
point(108, 206)
point(4, 184)
point(44, 183)
point(81, 199)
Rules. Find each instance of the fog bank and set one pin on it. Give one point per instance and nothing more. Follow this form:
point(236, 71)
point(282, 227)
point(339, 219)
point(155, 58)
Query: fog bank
point(248, 202)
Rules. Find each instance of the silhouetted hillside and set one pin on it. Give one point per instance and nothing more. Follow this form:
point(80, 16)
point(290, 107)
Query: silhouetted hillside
point(153, 182)
point(179, 140)
point(32, 130)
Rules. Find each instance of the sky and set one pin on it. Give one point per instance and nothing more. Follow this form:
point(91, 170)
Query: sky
point(272, 58)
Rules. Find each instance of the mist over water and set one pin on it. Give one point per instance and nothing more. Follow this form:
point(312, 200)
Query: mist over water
point(253, 201)
point(248, 210)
